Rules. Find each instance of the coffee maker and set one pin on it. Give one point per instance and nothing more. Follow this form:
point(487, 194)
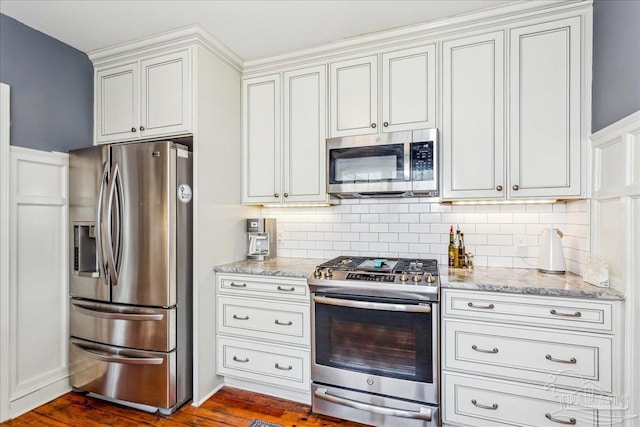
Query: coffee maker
point(262, 237)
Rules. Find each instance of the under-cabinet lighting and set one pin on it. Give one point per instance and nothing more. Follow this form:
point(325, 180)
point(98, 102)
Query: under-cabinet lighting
point(300, 205)
point(504, 202)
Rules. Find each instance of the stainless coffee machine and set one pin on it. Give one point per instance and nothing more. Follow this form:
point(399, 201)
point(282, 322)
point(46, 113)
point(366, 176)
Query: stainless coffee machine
point(262, 237)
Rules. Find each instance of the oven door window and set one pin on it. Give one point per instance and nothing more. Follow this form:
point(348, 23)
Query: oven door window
point(378, 342)
point(380, 163)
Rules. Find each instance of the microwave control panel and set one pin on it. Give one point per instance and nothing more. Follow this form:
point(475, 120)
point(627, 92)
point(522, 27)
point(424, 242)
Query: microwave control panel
point(422, 161)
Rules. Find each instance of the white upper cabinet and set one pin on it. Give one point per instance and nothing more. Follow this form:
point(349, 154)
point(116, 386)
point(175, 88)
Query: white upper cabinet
point(473, 117)
point(284, 141)
point(305, 124)
point(409, 89)
point(143, 99)
point(533, 149)
point(261, 139)
point(408, 95)
point(354, 96)
point(545, 105)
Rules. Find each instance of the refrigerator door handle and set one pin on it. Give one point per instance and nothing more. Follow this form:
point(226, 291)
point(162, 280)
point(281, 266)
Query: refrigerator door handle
point(99, 243)
point(115, 315)
point(120, 359)
point(113, 272)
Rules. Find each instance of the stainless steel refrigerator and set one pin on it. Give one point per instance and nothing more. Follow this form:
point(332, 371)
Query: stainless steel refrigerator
point(130, 311)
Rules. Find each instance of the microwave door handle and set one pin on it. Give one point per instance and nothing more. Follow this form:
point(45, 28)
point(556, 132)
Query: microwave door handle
point(423, 414)
point(407, 161)
point(367, 305)
point(99, 217)
point(110, 256)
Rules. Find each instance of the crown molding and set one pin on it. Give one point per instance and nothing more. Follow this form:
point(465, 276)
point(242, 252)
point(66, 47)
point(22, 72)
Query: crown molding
point(415, 33)
point(183, 37)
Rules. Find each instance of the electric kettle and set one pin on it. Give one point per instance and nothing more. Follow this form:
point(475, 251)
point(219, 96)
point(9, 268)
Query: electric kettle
point(551, 256)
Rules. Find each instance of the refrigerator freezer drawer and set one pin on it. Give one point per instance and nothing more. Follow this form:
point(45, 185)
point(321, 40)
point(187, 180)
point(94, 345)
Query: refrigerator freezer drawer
point(124, 326)
point(137, 376)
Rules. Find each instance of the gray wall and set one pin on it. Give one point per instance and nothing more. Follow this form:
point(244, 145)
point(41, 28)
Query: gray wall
point(51, 89)
point(616, 61)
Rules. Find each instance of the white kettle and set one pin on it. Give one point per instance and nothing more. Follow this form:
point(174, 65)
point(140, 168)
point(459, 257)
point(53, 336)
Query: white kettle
point(551, 257)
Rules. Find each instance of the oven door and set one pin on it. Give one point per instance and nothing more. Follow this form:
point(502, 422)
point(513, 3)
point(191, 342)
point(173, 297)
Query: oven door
point(368, 168)
point(376, 345)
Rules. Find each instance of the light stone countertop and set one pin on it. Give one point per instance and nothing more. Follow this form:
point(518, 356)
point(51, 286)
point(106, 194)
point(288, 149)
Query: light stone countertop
point(523, 281)
point(493, 279)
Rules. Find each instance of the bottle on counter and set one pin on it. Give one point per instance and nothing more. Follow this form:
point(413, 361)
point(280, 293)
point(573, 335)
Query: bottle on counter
point(461, 251)
point(452, 249)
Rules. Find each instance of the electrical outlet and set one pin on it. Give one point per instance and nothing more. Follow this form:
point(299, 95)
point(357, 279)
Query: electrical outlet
point(520, 241)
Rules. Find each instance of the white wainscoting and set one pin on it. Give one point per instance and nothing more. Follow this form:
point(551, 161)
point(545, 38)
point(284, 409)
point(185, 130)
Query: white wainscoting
point(38, 279)
point(615, 232)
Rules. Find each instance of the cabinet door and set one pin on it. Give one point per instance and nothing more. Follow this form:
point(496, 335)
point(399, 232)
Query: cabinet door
point(409, 89)
point(165, 95)
point(354, 97)
point(473, 118)
point(261, 141)
point(545, 103)
point(117, 107)
point(304, 135)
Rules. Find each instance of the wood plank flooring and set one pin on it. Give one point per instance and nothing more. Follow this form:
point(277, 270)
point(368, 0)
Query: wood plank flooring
point(229, 407)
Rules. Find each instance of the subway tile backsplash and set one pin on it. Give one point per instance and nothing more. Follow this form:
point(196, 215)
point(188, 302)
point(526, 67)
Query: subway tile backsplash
point(497, 235)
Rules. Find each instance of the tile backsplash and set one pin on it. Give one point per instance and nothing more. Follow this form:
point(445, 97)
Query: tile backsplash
point(497, 235)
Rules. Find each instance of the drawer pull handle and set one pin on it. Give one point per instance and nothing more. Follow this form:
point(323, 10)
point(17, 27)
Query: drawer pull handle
point(284, 368)
point(485, 307)
point(572, 421)
point(245, 360)
point(289, 323)
point(244, 285)
point(571, 361)
point(235, 316)
point(493, 350)
point(493, 407)
point(291, 289)
point(576, 314)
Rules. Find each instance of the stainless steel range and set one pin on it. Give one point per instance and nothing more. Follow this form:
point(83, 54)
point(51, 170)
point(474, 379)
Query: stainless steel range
point(375, 340)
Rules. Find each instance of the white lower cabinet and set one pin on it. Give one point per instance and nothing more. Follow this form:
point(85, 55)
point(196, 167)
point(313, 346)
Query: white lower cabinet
point(529, 361)
point(263, 334)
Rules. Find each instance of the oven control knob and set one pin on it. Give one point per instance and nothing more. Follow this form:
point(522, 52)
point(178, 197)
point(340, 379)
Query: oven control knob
point(318, 273)
point(430, 278)
point(416, 278)
point(328, 273)
point(404, 276)
point(370, 381)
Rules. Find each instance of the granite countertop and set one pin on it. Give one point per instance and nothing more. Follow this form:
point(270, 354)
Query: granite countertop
point(493, 279)
point(523, 281)
point(282, 267)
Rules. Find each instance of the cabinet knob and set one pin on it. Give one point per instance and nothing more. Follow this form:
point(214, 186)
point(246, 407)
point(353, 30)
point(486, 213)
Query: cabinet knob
point(286, 194)
point(516, 188)
point(499, 188)
point(133, 129)
point(276, 195)
point(385, 124)
point(141, 128)
point(373, 125)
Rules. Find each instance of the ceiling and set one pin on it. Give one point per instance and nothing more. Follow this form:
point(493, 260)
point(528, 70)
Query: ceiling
point(251, 29)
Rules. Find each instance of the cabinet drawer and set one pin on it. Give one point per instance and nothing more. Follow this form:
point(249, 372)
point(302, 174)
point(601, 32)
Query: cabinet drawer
point(264, 320)
point(555, 312)
point(268, 363)
point(294, 289)
point(469, 400)
point(562, 359)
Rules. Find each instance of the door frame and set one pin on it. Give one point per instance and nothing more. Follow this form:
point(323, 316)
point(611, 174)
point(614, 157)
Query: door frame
point(5, 123)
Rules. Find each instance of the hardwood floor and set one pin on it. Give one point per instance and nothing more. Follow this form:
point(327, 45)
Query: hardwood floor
point(229, 407)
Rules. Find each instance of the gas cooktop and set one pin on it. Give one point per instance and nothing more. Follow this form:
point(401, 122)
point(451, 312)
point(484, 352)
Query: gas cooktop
point(386, 277)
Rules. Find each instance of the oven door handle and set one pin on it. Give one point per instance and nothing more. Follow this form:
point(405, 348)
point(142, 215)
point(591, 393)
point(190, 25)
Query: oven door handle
point(368, 305)
point(423, 414)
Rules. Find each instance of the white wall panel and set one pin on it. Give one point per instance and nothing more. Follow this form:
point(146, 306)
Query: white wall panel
point(38, 285)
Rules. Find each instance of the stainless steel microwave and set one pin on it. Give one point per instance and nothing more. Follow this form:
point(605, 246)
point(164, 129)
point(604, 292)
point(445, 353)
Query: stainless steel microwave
point(396, 164)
